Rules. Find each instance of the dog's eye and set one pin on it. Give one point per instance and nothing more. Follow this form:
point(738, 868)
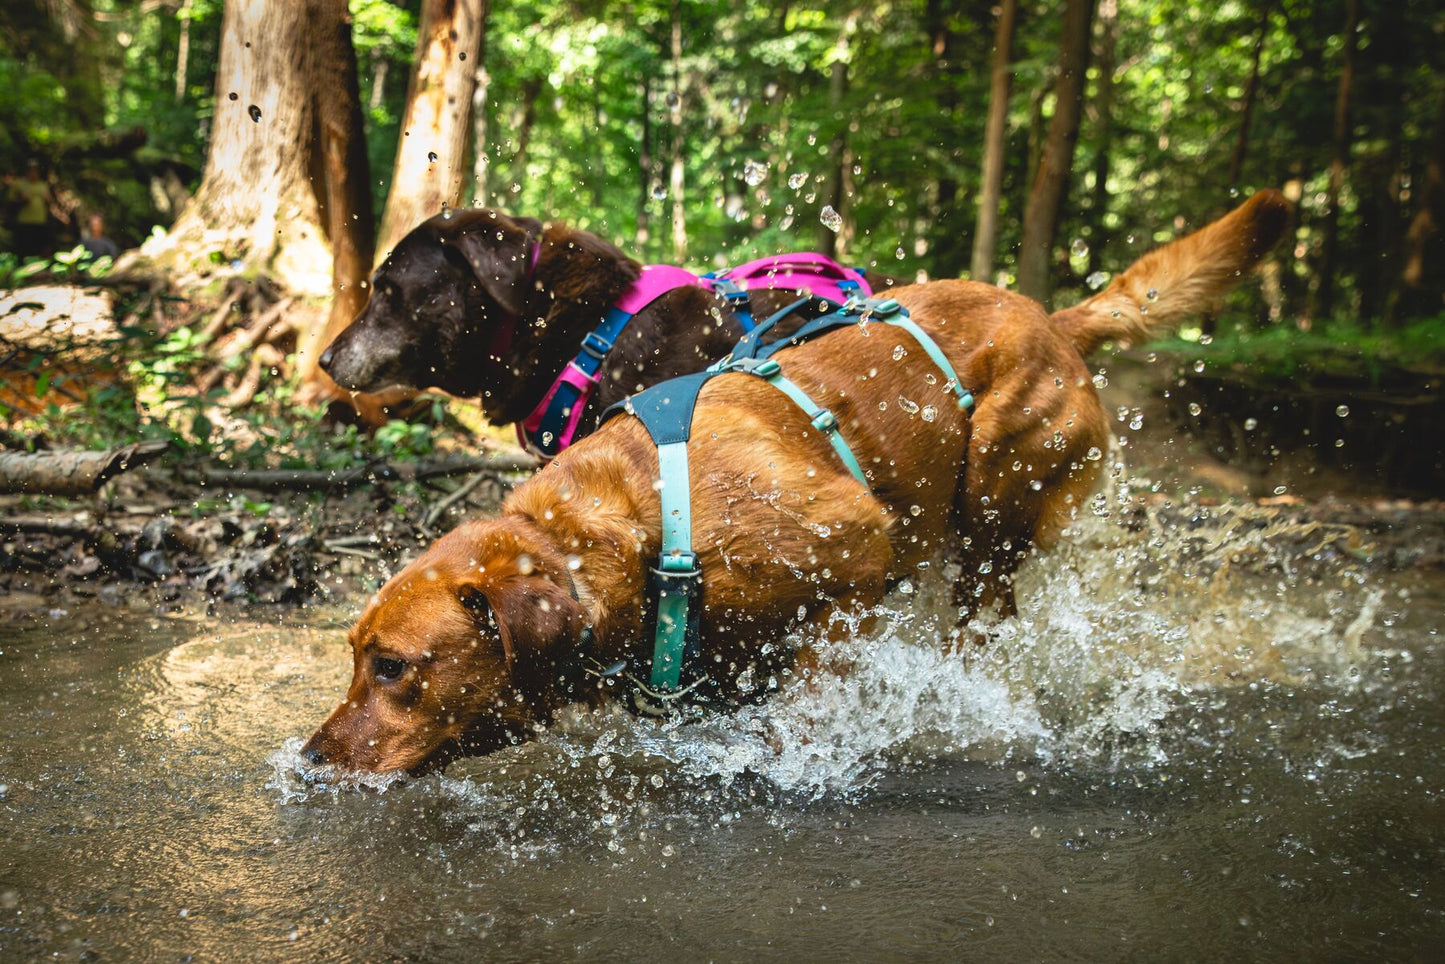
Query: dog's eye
point(387, 668)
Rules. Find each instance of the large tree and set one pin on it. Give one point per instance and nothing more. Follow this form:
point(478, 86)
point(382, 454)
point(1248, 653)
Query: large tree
point(284, 191)
point(1050, 186)
point(431, 160)
point(986, 234)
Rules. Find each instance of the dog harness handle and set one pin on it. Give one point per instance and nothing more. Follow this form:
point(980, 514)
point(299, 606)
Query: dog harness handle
point(666, 412)
point(555, 422)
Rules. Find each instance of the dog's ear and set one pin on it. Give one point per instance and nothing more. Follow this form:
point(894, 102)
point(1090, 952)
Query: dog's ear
point(590, 265)
point(499, 251)
point(536, 619)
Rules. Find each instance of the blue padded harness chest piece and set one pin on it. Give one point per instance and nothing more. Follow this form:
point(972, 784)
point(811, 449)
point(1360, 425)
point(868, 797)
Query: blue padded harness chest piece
point(666, 411)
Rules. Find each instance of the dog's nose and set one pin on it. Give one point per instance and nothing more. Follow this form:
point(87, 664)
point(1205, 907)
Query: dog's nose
point(326, 358)
point(312, 754)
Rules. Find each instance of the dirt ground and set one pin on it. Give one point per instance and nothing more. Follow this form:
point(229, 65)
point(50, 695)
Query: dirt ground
point(156, 534)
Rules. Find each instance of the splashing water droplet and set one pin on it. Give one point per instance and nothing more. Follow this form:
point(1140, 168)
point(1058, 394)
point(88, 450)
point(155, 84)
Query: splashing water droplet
point(797, 180)
point(1100, 381)
point(831, 219)
point(1199, 365)
point(754, 172)
point(1079, 249)
point(1343, 411)
point(659, 193)
point(929, 413)
point(1194, 408)
point(898, 253)
point(908, 405)
point(1152, 294)
point(898, 352)
point(255, 113)
point(915, 510)
point(1096, 280)
point(431, 156)
point(1250, 424)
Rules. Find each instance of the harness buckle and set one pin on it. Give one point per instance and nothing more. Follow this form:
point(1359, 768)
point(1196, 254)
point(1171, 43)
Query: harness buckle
point(596, 346)
point(825, 421)
point(763, 368)
point(678, 565)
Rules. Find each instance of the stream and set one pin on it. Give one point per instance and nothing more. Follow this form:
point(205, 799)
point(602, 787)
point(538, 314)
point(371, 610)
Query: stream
point(1187, 745)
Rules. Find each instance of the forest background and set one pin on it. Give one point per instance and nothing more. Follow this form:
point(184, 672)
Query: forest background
point(256, 158)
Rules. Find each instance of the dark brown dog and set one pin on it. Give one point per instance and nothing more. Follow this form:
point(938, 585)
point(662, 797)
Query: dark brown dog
point(467, 648)
point(458, 306)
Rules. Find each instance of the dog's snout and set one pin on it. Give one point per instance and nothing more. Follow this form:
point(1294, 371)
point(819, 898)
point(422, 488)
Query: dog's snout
point(327, 357)
point(312, 752)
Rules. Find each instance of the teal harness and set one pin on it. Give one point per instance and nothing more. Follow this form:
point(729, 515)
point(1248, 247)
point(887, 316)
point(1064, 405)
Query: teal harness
point(666, 411)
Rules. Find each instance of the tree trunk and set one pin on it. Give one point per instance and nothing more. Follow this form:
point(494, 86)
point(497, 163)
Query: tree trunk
point(526, 119)
point(431, 159)
point(644, 167)
point(481, 156)
point(183, 50)
point(1420, 290)
point(675, 185)
point(833, 238)
point(282, 107)
point(345, 203)
point(985, 236)
point(1050, 187)
point(1104, 112)
point(1324, 300)
point(379, 68)
point(944, 225)
point(1251, 94)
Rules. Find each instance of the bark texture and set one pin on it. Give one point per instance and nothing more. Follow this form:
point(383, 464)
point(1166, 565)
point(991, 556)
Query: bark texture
point(1050, 186)
point(431, 159)
point(985, 235)
point(70, 473)
point(1324, 299)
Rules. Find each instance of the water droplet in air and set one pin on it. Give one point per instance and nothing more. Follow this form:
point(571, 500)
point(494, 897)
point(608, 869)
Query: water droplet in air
point(1100, 381)
point(1079, 249)
point(754, 173)
point(898, 352)
point(831, 219)
point(797, 180)
point(255, 113)
point(1096, 280)
point(1234, 192)
point(929, 413)
point(233, 96)
point(1199, 365)
point(908, 405)
point(1194, 408)
point(431, 156)
point(985, 568)
point(1094, 455)
point(898, 253)
point(1343, 411)
point(1281, 489)
point(1152, 294)
point(659, 193)
point(1250, 424)
point(672, 99)
point(915, 510)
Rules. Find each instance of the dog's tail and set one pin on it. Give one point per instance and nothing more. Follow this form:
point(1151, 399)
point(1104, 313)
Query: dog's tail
point(1180, 279)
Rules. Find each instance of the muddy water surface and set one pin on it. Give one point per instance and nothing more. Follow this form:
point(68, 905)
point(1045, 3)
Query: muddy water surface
point(1177, 751)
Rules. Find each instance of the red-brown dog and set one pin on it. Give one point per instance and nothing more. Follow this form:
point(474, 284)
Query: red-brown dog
point(465, 650)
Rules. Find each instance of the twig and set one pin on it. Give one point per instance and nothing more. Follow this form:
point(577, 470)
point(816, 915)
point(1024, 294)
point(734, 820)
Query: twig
point(268, 480)
point(463, 490)
point(348, 551)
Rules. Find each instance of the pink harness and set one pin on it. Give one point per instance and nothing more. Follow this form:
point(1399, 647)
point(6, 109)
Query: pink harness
point(554, 423)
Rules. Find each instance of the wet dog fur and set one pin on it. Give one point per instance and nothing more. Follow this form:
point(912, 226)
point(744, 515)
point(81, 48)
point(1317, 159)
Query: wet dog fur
point(460, 652)
point(449, 286)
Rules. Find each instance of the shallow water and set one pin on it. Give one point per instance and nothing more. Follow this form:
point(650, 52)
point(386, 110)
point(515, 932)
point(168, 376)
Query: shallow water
point(1188, 744)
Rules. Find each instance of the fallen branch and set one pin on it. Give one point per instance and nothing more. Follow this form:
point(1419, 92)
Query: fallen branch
point(71, 473)
point(270, 480)
point(463, 490)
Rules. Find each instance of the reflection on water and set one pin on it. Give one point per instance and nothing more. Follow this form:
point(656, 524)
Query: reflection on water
point(1187, 742)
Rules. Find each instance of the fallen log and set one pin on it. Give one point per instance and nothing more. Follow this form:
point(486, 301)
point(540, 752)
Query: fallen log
point(71, 472)
point(271, 480)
